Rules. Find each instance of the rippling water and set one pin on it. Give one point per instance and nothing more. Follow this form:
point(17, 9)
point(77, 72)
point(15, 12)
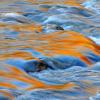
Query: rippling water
point(49, 50)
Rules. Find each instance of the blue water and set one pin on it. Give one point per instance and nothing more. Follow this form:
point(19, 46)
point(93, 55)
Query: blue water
point(56, 70)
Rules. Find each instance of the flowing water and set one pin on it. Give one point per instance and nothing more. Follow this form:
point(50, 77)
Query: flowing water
point(49, 49)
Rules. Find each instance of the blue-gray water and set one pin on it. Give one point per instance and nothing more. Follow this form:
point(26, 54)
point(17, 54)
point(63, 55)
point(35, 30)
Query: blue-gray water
point(28, 31)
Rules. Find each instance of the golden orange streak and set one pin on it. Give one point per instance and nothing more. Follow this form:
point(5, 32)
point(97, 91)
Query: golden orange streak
point(65, 2)
point(30, 27)
point(78, 45)
point(76, 54)
point(20, 28)
point(19, 54)
point(58, 43)
point(9, 95)
point(21, 78)
point(98, 47)
point(8, 85)
point(53, 87)
point(65, 43)
point(60, 87)
point(17, 71)
point(86, 45)
point(36, 84)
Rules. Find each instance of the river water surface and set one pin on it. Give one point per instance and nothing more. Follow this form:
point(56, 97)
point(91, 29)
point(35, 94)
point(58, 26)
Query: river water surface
point(49, 49)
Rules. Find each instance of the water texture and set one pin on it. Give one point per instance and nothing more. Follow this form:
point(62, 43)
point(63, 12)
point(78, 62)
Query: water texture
point(49, 49)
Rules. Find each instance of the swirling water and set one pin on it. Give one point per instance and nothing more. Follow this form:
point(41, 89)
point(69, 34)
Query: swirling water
point(49, 50)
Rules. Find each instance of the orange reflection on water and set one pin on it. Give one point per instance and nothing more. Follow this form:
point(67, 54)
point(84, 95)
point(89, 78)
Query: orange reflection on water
point(67, 43)
point(20, 27)
point(7, 94)
point(19, 75)
point(57, 43)
point(19, 54)
point(64, 43)
point(65, 2)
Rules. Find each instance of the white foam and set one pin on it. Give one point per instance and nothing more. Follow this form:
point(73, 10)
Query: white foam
point(96, 40)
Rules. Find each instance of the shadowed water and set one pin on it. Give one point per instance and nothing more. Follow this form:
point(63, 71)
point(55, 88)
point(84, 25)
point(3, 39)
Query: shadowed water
point(49, 50)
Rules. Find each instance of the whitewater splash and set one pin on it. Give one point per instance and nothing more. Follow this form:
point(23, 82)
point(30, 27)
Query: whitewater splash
point(49, 50)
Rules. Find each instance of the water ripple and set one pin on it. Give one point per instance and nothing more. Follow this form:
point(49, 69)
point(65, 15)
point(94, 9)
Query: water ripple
point(50, 50)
